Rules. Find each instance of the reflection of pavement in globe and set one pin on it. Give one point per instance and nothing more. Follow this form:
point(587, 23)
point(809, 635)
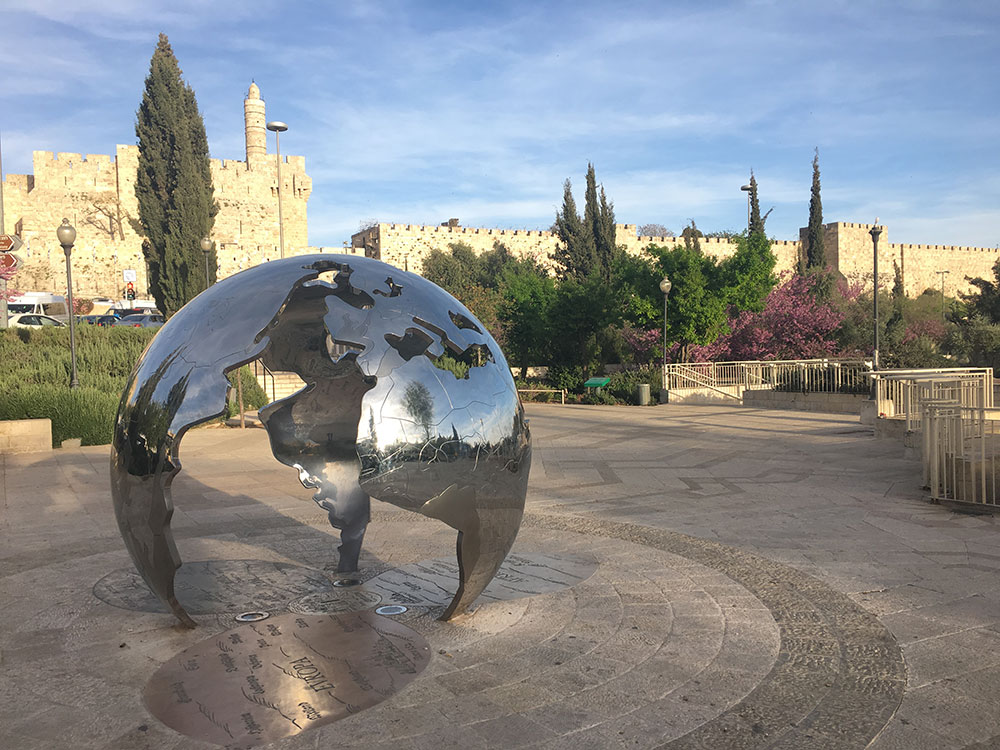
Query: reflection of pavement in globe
point(218, 587)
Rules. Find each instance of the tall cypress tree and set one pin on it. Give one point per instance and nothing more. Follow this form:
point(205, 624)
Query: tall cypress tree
point(174, 183)
point(756, 225)
point(576, 253)
point(815, 252)
point(599, 219)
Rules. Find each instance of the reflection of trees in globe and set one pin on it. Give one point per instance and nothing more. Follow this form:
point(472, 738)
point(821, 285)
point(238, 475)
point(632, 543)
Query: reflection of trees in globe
point(419, 405)
point(407, 399)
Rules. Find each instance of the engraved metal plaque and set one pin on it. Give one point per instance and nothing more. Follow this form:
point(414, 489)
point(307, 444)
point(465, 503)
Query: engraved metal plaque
point(339, 600)
point(218, 586)
point(260, 682)
point(429, 583)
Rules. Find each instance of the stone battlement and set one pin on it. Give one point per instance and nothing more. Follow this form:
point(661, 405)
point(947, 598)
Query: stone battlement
point(849, 249)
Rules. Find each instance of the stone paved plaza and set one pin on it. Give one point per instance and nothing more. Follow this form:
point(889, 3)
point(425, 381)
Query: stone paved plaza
point(763, 579)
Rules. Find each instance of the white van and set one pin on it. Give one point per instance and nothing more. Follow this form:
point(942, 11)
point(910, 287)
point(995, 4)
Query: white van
point(39, 303)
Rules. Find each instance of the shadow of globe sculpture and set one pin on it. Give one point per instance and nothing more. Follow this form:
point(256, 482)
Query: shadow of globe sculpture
point(407, 399)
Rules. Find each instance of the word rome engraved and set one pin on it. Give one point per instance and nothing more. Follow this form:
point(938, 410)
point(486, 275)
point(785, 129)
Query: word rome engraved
point(263, 681)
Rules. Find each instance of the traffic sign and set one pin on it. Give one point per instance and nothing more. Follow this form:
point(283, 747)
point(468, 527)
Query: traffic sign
point(128, 274)
point(9, 261)
point(9, 243)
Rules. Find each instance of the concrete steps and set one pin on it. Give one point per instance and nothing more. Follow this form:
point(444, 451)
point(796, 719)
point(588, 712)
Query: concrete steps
point(277, 385)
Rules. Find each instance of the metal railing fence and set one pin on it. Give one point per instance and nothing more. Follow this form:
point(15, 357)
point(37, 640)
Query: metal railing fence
point(800, 375)
point(961, 453)
point(906, 393)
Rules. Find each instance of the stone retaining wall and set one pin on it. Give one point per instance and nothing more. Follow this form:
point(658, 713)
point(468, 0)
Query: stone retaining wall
point(25, 435)
point(833, 403)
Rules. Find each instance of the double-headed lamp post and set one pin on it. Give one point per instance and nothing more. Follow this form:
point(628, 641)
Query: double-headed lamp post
point(665, 286)
point(875, 231)
point(277, 127)
point(206, 247)
point(67, 236)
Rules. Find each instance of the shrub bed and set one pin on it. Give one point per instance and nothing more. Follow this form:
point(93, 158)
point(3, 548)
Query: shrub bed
point(37, 368)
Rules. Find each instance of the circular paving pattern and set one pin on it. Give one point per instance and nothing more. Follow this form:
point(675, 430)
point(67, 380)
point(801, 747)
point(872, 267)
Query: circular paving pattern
point(672, 642)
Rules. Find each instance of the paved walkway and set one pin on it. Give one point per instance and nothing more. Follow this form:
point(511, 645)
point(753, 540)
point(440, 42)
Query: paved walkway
point(764, 579)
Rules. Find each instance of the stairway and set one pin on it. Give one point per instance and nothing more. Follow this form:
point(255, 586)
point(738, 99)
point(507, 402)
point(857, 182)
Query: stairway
point(277, 385)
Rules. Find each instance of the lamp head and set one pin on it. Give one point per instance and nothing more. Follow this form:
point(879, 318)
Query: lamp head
point(66, 234)
point(206, 245)
point(745, 188)
point(665, 286)
point(276, 126)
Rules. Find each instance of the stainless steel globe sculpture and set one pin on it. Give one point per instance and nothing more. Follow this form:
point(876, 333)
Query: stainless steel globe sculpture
point(407, 399)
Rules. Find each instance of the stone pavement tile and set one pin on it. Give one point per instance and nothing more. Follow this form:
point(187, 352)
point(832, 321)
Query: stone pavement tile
point(940, 708)
point(514, 730)
point(939, 619)
point(523, 696)
point(901, 734)
point(908, 596)
point(950, 656)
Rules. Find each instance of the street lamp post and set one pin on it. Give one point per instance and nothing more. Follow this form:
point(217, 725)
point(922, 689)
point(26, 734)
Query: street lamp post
point(665, 288)
point(942, 274)
point(206, 247)
point(277, 128)
point(746, 189)
point(67, 236)
point(875, 231)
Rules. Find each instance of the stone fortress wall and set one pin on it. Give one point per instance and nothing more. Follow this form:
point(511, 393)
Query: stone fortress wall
point(97, 194)
point(848, 248)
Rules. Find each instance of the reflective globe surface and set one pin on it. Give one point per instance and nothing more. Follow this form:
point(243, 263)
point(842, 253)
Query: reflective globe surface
point(407, 399)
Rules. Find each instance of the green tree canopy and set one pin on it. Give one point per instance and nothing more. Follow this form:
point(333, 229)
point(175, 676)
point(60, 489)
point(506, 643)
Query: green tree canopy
point(174, 183)
point(748, 275)
point(528, 293)
point(696, 307)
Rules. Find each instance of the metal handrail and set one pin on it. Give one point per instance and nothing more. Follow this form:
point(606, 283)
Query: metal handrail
point(264, 375)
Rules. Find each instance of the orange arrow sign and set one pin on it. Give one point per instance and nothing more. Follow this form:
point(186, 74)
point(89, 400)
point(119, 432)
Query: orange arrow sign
point(9, 243)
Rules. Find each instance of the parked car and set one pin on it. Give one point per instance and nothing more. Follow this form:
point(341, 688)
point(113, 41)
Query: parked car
point(32, 320)
point(140, 321)
point(98, 320)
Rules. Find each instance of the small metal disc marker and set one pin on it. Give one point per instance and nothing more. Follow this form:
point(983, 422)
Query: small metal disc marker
point(251, 616)
point(345, 582)
point(391, 609)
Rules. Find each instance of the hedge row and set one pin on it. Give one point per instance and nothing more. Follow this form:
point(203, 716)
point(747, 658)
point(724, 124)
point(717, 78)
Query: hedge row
point(36, 371)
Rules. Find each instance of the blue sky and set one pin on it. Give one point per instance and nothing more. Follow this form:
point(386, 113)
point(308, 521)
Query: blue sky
point(416, 112)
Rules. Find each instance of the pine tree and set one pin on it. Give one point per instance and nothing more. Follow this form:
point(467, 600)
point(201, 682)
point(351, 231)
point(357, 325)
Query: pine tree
point(816, 253)
point(576, 253)
point(174, 183)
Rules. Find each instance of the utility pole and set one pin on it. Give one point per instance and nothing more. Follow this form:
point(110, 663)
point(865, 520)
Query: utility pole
point(942, 274)
point(3, 282)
